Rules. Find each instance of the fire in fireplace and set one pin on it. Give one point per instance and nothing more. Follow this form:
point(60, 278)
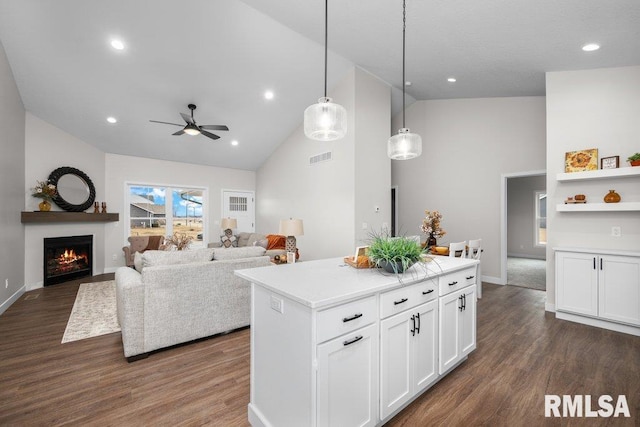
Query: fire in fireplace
point(67, 258)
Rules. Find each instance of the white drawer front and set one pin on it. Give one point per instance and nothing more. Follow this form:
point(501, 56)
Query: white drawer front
point(457, 280)
point(345, 318)
point(407, 297)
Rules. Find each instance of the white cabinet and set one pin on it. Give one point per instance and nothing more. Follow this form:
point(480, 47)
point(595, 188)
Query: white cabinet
point(347, 379)
point(408, 355)
point(457, 327)
point(599, 285)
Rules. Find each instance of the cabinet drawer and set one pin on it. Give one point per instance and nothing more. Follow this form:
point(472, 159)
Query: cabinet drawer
point(404, 298)
point(457, 280)
point(345, 318)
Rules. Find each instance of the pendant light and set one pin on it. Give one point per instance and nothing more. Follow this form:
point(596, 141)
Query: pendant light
point(325, 121)
point(405, 145)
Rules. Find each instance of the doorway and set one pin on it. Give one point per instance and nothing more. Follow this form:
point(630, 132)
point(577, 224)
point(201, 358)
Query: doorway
point(523, 229)
point(240, 205)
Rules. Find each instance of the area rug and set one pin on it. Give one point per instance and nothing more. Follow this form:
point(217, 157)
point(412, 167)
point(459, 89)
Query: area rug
point(93, 313)
point(527, 273)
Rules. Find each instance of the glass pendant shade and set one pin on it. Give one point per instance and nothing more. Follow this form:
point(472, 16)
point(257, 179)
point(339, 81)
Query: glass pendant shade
point(325, 121)
point(404, 146)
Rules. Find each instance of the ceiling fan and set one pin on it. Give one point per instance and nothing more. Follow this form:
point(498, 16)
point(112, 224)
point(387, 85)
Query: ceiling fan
point(192, 128)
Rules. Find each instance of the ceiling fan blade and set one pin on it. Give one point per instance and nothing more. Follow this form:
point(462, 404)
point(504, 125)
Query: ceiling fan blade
point(166, 123)
point(180, 132)
point(187, 118)
point(209, 134)
point(214, 127)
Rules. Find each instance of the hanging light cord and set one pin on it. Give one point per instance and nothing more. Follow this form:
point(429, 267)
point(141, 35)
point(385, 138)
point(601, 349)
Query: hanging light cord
point(404, 25)
point(326, 26)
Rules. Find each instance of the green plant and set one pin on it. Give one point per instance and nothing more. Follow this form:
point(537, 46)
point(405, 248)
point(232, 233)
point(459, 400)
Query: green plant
point(395, 254)
point(633, 158)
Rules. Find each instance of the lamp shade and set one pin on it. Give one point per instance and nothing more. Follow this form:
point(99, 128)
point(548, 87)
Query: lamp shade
point(325, 121)
point(229, 223)
point(291, 227)
point(404, 146)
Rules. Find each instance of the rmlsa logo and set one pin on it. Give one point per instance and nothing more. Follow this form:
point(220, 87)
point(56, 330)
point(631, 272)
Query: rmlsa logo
point(581, 406)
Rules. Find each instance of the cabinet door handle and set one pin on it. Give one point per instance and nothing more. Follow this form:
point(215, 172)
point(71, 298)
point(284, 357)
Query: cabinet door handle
point(600, 263)
point(453, 283)
point(354, 317)
point(349, 342)
point(464, 302)
point(470, 277)
point(413, 329)
point(594, 263)
point(427, 292)
point(418, 327)
point(400, 302)
point(460, 299)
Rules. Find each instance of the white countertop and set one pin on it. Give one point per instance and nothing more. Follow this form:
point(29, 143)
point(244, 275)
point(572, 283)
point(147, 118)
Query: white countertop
point(325, 282)
point(621, 252)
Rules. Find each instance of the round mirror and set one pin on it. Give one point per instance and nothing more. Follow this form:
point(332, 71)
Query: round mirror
point(76, 192)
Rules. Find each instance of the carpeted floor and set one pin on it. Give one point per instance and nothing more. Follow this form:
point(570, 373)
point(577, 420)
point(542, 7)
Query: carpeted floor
point(527, 273)
point(93, 313)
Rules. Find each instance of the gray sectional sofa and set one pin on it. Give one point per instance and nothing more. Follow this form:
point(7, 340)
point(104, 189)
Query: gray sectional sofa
point(182, 296)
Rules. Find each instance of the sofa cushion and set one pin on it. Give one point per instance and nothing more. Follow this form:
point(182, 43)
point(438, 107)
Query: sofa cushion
point(151, 258)
point(262, 242)
point(137, 262)
point(237, 253)
point(243, 238)
point(254, 237)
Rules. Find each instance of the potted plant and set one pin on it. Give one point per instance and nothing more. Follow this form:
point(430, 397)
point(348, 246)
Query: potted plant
point(431, 227)
point(45, 191)
point(634, 160)
point(394, 254)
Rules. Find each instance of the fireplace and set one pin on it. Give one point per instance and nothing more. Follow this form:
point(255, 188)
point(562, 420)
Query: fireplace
point(67, 258)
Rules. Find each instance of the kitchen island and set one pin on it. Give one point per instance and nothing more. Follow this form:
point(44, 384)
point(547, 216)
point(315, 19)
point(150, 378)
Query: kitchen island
point(332, 345)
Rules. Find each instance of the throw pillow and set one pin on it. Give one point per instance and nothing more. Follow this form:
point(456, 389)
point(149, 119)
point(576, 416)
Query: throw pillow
point(262, 242)
point(236, 253)
point(228, 240)
point(137, 262)
point(276, 241)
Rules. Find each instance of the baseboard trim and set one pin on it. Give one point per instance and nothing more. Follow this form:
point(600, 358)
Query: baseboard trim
point(493, 280)
point(530, 256)
point(617, 327)
point(13, 298)
point(549, 307)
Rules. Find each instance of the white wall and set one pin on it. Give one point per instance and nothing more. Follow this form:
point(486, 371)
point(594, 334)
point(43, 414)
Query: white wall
point(521, 208)
point(12, 118)
point(333, 198)
point(121, 170)
point(46, 149)
point(467, 145)
point(591, 109)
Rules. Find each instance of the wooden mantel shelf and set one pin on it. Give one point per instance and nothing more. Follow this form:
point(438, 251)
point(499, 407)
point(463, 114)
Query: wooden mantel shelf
point(57, 216)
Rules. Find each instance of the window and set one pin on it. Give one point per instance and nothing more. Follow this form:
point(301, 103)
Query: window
point(161, 210)
point(540, 218)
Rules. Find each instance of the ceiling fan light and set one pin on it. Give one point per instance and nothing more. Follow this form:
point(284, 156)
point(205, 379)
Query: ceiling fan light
point(325, 121)
point(191, 130)
point(404, 146)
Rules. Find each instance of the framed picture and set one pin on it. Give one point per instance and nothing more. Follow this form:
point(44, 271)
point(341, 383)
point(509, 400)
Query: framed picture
point(583, 160)
point(612, 162)
point(361, 251)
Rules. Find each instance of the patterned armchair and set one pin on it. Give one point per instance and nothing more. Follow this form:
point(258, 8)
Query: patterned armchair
point(141, 244)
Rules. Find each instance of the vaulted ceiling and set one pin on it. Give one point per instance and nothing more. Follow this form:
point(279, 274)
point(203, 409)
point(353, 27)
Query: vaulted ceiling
point(223, 56)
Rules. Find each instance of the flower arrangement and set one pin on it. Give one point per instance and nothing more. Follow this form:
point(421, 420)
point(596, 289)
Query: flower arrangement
point(178, 241)
point(431, 224)
point(44, 190)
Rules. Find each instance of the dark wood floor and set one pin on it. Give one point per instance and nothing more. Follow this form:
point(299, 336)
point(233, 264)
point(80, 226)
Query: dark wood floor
point(523, 353)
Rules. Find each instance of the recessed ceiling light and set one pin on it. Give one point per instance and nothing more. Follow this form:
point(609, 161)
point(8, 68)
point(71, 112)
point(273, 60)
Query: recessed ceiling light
point(117, 44)
point(268, 95)
point(234, 142)
point(112, 120)
point(451, 80)
point(590, 47)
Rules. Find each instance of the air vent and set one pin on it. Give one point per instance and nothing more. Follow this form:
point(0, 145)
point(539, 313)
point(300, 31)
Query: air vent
point(318, 158)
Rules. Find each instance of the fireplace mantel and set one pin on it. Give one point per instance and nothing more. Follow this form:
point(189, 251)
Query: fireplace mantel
point(51, 217)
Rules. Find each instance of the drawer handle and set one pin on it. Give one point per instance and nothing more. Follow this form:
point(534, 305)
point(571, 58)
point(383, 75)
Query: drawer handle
point(427, 292)
point(400, 302)
point(470, 277)
point(349, 342)
point(453, 283)
point(354, 317)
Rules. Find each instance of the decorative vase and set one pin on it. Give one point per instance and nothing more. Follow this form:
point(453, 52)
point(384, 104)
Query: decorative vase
point(393, 267)
point(431, 241)
point(44, 206)
point(635, 162)
point(612, 197)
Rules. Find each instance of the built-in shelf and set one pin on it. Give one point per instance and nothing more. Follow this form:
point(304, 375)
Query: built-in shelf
point(599, 174)
point(56, 216)
point(598, 207)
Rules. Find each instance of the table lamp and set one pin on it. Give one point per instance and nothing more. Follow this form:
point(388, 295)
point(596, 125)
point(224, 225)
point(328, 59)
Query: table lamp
point(228, 224)
point(291, 228)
